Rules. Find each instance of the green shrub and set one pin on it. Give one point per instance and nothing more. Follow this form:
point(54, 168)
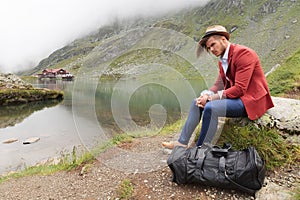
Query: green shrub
point(125, 190)
point(268, 142)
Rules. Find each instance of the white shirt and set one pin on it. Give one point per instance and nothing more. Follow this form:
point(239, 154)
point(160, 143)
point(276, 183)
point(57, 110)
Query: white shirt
point(224, 60)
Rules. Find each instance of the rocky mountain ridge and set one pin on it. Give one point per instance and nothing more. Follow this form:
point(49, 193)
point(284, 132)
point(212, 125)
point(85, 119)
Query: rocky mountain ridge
point(269, 27)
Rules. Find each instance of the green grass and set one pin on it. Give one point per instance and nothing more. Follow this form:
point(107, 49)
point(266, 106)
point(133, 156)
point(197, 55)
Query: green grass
point(67, 162)
point(154, 56)
point(268, 142)
point(297, 193)
point(286, 77)
point(125, 190)
point(67, 62)
point(172, 128)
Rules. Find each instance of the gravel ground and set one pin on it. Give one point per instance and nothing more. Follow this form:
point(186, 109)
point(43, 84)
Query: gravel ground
point(143, 162)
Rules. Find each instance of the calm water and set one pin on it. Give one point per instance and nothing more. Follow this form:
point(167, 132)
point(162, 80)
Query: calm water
point(91, 113)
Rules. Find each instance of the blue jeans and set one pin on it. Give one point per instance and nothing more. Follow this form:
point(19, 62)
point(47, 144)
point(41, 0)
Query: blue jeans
point(211, 112)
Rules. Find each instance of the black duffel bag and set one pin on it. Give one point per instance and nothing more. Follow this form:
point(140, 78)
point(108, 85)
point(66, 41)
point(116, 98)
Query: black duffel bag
point(220, 167)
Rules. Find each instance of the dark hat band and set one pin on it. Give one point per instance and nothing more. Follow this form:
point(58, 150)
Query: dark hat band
point(209, 33)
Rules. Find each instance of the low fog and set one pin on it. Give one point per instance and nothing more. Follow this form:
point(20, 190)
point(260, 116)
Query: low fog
point(31, 30)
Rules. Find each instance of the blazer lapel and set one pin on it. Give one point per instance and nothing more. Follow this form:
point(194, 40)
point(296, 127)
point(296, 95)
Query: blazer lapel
point(224, 79)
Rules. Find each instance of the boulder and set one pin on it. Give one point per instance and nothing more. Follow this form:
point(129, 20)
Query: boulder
point(285, 115)
point(272, 191)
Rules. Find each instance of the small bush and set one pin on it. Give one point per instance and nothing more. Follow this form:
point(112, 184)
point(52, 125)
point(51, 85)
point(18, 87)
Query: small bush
point(125, 190)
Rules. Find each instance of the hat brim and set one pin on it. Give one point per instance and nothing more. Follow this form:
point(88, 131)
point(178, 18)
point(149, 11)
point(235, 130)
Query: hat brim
point(211, 33)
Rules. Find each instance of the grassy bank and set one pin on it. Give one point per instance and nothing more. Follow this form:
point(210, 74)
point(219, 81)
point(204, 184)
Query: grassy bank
point(20, 96)
point(66, 162)
point(286, 78)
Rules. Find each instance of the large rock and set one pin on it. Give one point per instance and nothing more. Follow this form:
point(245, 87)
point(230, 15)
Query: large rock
point(272, 191)
point(285, 115)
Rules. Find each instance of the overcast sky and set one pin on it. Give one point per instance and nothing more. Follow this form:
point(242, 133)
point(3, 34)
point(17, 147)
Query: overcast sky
point(32, 29)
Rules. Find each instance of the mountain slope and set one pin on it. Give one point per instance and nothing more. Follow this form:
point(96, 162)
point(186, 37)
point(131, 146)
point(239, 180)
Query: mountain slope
point(270, 27)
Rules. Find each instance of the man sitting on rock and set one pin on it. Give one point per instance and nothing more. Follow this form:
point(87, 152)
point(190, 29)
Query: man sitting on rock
point(240, 90)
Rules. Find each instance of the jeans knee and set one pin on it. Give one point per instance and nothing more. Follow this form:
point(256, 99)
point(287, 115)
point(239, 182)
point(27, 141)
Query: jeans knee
point(214, 109)
point(194, 104)
point(208, 107)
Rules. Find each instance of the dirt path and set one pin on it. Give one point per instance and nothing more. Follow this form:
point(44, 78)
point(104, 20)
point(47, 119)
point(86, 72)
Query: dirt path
point(148, 173)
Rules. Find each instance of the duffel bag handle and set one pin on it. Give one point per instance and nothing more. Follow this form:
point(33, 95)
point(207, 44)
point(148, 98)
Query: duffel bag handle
point(216, 151)
point(219, 152)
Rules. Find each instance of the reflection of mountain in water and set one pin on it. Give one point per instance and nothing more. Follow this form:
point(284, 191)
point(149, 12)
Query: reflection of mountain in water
point(12, 115)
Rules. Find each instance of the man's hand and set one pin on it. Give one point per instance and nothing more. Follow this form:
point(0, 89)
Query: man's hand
point(201, 101)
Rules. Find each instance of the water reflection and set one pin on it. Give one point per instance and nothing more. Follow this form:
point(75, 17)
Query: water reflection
point(139, 105)
point(131, 103)
point(53, 84)
point(12, 115)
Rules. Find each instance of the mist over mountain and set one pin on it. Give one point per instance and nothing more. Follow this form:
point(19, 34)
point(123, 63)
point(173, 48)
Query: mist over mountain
point(31, 30)
point(270, 27)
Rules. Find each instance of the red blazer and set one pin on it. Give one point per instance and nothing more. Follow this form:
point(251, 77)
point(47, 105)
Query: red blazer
point(246, 81)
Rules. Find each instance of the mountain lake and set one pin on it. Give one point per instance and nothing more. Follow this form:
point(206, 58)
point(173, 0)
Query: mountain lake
point(92, 113)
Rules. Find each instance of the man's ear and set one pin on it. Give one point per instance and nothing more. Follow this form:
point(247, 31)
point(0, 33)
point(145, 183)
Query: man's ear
point(224, 39)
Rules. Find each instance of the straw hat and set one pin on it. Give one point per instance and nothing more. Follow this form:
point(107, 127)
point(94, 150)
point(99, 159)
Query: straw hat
point(214, 30)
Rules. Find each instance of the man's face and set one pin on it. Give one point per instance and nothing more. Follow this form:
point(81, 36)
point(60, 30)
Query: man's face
point(217, 45)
